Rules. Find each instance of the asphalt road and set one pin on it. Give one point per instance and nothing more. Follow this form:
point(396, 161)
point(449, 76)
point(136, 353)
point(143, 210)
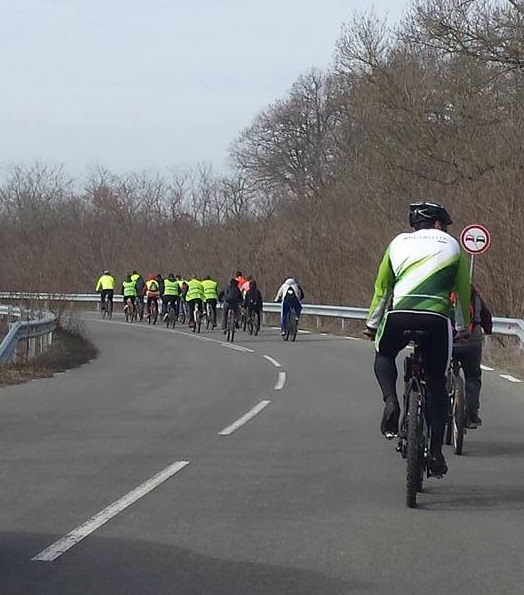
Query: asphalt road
point(273, 476)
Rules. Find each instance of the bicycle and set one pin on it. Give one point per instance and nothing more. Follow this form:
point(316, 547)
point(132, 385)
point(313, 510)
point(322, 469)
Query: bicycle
point(129, 310)
point(253, 323)
point(106, 308)
point(208, 314)
point(291, 327)
point(139, 309)
point(182, 310)
point(414, 434)
point(152, 314)
point(198, 315)
point(458, 408)
point(171, 316)
point(231, 322)
point(243, 319)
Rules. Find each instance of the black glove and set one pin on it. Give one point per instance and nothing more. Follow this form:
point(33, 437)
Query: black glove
point(370, 333)
point(460, 337)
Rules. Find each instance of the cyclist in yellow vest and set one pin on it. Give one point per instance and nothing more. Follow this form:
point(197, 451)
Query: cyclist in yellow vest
point(171, 295)
point(106, 286)
point(211, 297)
point(152, 292)
point(129, 292)
point(194, 298)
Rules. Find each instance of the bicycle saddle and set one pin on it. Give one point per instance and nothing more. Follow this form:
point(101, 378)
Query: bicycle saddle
point(414, 335)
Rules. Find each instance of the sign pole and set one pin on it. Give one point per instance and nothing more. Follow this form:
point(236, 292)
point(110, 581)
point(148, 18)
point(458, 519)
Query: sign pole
point(471, 265)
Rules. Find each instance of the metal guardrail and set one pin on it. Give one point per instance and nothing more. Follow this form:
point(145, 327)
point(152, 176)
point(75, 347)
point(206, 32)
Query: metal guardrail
point(34, 328)
point(501, 326)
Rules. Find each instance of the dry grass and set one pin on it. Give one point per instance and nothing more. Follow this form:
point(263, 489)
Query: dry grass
point(505, 354)
point(69, 350)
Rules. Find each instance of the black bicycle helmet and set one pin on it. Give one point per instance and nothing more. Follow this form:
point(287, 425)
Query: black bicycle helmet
point(424, 214)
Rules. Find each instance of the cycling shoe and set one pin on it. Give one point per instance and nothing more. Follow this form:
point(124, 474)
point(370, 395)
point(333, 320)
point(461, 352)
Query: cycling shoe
point(389, 423)
point(437, 465)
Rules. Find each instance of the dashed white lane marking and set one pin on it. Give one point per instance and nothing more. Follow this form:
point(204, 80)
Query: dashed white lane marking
point(281, 381)
point(487, 368)
point(73, 537)
point(510, 378)
point(244, 419)
point(353, 338)
point(236, 347)
point(273, 361)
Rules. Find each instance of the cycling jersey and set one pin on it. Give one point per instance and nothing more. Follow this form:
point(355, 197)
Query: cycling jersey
point(210, 289)
point(240, 281)
point(152, 288)
point(171, 287)
point(195, 290)
point(129, 289)
point(418, 272)
point(105, 282)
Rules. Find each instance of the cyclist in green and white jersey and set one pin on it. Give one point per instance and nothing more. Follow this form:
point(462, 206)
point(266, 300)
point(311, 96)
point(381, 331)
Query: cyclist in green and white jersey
point(418, 272)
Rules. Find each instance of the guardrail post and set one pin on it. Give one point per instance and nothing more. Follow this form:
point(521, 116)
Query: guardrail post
point(31, 348)
point(343, 324)
point(319, 322)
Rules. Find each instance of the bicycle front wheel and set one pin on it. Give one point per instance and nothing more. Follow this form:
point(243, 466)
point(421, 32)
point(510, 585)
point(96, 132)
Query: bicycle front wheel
point(459, 416)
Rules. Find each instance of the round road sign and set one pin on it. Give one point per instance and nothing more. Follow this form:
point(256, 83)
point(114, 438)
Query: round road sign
point(475, 239)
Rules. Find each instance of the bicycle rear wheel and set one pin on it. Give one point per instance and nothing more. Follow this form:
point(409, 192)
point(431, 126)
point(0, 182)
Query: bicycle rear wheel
point(414, 456)
point(155, 312)
point(285, 336)
point(139, 313)
point(198, 322)
point(293, 330)
point(459, 415)
point(231, 326)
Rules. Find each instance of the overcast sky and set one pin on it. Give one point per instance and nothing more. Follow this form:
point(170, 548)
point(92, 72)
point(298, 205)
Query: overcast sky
point(134, 84)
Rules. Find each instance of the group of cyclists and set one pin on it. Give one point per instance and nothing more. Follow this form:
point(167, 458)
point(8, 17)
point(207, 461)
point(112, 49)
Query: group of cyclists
point(423, 284)
point(198, 296)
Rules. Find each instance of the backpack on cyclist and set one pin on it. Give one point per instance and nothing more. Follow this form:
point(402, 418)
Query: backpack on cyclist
point(480, 313)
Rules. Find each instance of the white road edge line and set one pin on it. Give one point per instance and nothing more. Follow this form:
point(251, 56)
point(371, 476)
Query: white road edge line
point(244, 419)
point(510, 378)
point(76, 535)
point(487, 368)
point(281, 381)
point(273, 361)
